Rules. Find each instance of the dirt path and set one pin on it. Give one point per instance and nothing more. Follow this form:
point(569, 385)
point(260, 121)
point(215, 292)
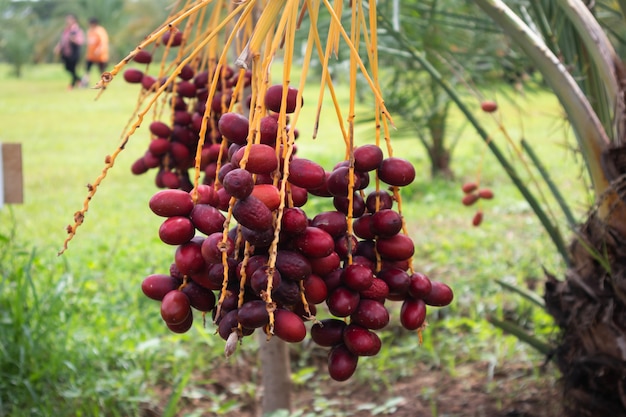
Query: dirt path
point(514, 391)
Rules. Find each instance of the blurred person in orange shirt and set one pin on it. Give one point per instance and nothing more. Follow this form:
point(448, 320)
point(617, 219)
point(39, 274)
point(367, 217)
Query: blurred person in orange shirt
point(97, 48)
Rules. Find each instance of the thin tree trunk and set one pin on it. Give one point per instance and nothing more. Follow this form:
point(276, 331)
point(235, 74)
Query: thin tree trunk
point(276, 374)
point(437, 152)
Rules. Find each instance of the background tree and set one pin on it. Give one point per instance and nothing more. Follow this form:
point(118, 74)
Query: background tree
point(462, 46)
point(17, 35)
point(566, 43)
point(30, 29)
point(570, 44)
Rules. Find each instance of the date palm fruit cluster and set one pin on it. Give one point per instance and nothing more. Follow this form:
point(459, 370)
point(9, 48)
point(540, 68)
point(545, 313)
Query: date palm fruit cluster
point(249, 252)
point(472, 194)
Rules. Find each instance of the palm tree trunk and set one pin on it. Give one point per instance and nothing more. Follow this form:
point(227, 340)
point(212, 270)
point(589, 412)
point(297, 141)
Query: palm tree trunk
point(589, 305)
point(590, 308)
point(438, 154)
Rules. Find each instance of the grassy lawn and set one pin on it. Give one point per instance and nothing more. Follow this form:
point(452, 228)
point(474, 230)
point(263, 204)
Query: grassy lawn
point(77, 336)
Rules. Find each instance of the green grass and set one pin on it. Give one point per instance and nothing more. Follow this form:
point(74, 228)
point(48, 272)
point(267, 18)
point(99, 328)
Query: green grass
point(78, 337)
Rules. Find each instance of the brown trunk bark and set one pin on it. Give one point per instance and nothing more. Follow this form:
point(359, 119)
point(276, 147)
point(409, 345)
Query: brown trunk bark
point(440, 163)
point(275, 374)
point(590, 308)
point(438, 154)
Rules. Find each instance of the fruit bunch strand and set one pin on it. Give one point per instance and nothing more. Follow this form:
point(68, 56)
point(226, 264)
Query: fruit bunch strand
point(248, 249)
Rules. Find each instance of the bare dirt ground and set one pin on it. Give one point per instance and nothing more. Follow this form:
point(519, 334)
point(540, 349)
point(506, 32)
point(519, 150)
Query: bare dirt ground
point(514, 391)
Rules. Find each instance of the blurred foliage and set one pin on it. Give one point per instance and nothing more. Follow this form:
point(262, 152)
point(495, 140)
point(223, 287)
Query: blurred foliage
point(30, 29)
point(17, 38)
point(461, 45)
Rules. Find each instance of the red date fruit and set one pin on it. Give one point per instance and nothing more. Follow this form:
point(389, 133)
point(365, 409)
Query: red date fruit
point(332, 222)
point(367, 249)
point(238, 183)
point(469, 187)
point(181, 132)
point(268, 194)
point(294, 221)
point(396, 171)
point(203, 279)
point(412, 314)
point(175, 307)
point(147, 82)
point(315, 289)
point(385, 201)
point(342, 204)
point(186, 89)
point(367, 157)
point(469, 199)
point(370, 314)
point(227, 324)
point(180, 153)
point(477, 219)
point(420, 285)
point(306, 173)
point(269, 130)
point(187, 73)
point(254, 262)
point(200, 298)
point(314, 243)
point(181, 327)
point(292, 265)
point(440, 295)
point(326, 265)
point(396, 248)
point(261, 159)
point(485, 193)
point(357, 277)
point(188, 258)
point(489, 106)
point(333, 280)
point(346, 244)
point(361, 227)
point(341, 363)
point(253, 314)
point(338, 181)
point(396, 279)
point(328, 332)
point(260, 279)
point(234, 127)
point(258, 239)
point(170, 203)
point(288, 326)
point(156, 286)
point(133, 76)
point(379, 290)
point(176, 230)
point(152, 160)
point(299, 195)
point(386, 223)
point(253, 214)
point(159, 147)
point(170, 180)
point(274, 95)
point(342, 301)
point(207, 219)
point(361, 341)
point(287, 293)
point(172, 40)
point(213, 247)
point(139, 167)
